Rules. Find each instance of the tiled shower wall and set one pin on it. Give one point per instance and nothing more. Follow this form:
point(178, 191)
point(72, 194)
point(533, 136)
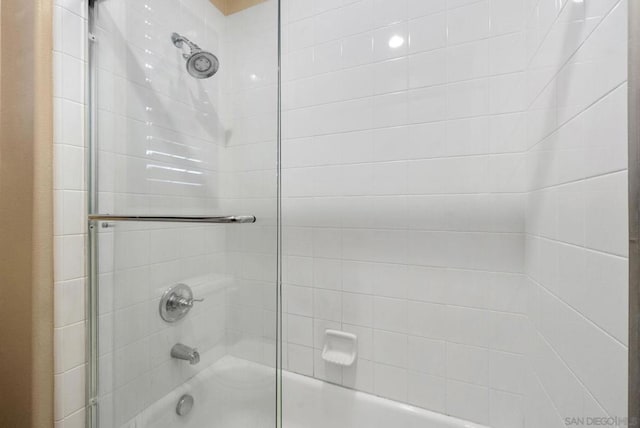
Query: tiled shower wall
point(568, 51)
point(577, 259)
point(394, 156)
point(403, 198)
point(70, 208)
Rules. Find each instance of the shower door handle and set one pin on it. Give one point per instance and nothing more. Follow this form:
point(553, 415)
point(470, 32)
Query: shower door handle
point(175, 219)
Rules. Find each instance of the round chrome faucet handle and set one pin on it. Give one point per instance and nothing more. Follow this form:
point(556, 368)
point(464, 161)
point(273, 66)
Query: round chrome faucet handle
point(176, 302)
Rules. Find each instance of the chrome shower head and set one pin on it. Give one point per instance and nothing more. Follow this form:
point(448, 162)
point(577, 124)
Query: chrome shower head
point(200, 64)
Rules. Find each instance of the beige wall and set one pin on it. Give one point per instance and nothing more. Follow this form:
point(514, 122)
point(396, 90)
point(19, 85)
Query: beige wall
point(232, 6)
point(26, 266)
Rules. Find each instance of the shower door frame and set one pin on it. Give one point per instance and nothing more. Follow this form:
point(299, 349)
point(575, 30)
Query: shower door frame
point(634, 211)
point(91, 291)
point(91, 294)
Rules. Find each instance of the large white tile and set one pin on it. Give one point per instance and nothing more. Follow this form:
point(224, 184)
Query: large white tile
point(428, 32)
point(357, 309)
point(390, 314)
point(467, 401)
point(506, 410)
point(390, 382)
point(427, 391)
point(468, 22)
point(390, 348)
point(468, 61)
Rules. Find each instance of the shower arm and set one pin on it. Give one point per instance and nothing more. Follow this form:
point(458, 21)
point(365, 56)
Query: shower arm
point(179, 41)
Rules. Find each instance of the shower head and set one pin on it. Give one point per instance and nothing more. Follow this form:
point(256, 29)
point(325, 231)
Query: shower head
point(200, 64)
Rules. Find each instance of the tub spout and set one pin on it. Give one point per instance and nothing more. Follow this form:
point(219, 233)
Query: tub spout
point(184, 352)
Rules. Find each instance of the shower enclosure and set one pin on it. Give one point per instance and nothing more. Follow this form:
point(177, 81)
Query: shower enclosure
point(184, 214)
point(449, 179)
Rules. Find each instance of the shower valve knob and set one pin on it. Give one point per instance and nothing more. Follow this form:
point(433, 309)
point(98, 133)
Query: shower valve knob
point(176, 303)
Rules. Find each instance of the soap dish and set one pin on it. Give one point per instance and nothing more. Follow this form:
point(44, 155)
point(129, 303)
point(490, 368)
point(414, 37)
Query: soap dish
point(340, 347)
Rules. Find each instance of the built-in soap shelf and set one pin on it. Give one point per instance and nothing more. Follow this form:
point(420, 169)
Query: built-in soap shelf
point(340, 348)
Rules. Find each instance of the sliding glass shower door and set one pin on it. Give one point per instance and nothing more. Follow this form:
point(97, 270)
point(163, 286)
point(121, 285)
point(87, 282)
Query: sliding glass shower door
point(184, 213)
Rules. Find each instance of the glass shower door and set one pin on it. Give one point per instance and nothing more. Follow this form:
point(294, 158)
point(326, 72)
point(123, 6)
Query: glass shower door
point(184, 226)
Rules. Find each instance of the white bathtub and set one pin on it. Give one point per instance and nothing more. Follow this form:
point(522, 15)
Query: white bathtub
point(310, 403)
point(235, 393)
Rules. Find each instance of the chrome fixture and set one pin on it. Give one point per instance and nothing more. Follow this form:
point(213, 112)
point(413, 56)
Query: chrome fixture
point(185, 405)
point(200, 64)
point(175, 219)
point(176, 302)
point(184, 352)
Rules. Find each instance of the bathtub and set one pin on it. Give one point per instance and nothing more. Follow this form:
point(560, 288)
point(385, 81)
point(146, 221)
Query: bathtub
point(235, 393)
point(310, 403)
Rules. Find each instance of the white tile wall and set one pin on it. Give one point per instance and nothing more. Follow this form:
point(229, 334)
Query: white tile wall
point(577, 211)
point(432, 150)
point(69, 218)
point(418, 137)
point(404, 190)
